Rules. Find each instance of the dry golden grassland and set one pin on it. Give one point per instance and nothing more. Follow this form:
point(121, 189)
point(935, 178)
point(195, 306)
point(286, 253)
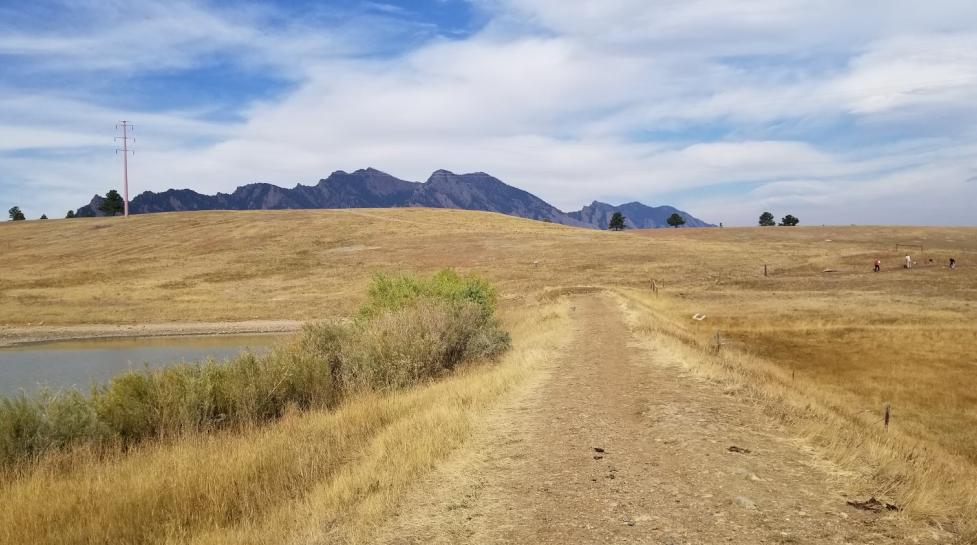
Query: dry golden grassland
point(927, 481)
point(311, 477)
point(831, 347)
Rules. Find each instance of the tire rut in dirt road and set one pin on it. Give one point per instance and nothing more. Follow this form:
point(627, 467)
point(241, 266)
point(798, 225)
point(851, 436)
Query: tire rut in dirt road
point(666, 474)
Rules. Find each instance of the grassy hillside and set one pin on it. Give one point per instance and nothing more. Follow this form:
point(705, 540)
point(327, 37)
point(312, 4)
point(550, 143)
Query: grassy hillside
point(848, 340)
point(904, 337)
point(297, 264)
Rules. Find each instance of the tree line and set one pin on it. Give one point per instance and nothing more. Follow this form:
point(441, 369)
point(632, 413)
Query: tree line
point(111, 205)
point(767, 220)
point(617, 221)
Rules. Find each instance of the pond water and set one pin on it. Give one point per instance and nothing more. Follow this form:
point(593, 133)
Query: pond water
point(65, 364)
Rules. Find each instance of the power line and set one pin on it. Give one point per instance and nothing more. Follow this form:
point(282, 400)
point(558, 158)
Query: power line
point(125, 138)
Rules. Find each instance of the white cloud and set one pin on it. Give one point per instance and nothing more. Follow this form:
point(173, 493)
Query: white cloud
point(930, 193)
point(572, 101)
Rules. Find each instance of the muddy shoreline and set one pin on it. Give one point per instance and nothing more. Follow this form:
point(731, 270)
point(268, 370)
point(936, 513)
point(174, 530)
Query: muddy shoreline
point(24, 335)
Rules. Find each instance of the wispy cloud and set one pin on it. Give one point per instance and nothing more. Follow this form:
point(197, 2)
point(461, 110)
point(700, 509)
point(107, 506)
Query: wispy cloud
point(822, 108)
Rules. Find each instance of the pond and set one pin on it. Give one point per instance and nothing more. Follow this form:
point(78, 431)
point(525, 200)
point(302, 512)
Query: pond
point(65, 364)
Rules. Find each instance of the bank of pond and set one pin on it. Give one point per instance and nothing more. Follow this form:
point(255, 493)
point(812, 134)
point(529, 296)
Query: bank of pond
point(409, 330)
point(81, 363)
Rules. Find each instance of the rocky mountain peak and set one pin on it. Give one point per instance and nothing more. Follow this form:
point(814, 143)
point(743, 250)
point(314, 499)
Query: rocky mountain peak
point(373, 188)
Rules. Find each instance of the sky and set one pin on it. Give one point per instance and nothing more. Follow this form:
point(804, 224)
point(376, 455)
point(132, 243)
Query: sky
point(837, 112)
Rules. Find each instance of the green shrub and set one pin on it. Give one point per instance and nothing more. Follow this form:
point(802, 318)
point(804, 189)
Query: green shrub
point(125, 405)
point(182, 398)
point(32, 425)
point(393, 292)
point(69, 418)
point(21, 425)
point(426, 339)
point(410, 330)
point(313, 361)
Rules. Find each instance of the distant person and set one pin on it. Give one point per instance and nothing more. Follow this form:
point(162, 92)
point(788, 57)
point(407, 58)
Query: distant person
point(909, 262)
point(953, 263)
point(878, 264)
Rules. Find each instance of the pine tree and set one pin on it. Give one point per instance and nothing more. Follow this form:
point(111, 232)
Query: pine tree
point(112, 204)
point(16, 214)
point(789, 221)
point(675, 220)
point(70, 214)
point(43, 216)
point(617, 222)
point(766, 220)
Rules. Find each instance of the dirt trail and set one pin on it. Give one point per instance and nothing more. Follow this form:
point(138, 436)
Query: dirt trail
point(665, 476)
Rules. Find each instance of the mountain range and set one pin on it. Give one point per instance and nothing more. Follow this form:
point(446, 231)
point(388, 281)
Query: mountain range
point(371, 188)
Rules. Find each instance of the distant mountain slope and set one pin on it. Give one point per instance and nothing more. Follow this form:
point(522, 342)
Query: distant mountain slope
point(479, 191)
point(371, 188)
point(636, 215)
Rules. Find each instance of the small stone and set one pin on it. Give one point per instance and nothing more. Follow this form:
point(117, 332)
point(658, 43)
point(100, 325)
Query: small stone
point(745, 503)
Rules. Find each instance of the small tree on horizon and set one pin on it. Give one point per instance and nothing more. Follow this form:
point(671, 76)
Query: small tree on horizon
point(70, 214)
point(675, 220)
point(43, 216)
point(766, 220)
point(112, 204)
point(617, 222)
point(16, 214)
point(789, 221)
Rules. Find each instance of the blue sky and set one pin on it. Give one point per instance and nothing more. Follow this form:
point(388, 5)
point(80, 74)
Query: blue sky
point(834, 111)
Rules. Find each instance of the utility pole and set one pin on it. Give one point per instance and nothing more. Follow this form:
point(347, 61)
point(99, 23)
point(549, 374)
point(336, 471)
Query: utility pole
point(125, 160)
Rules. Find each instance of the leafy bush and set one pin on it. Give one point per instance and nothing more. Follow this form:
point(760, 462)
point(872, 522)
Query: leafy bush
point(410, 330)
point(125, 405)
point(393, 292)
point(29, 426)
point(424, 339)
